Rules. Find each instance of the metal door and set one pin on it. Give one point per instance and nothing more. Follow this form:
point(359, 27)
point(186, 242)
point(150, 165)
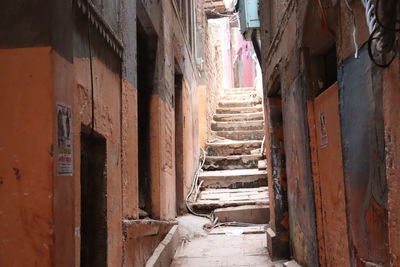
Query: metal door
point(331, 179)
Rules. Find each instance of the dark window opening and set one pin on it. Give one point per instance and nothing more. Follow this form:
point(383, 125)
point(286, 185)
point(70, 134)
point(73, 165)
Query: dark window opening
point(324, 69)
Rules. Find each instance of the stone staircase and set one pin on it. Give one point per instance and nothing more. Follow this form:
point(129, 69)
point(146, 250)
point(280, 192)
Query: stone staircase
point(232, 186)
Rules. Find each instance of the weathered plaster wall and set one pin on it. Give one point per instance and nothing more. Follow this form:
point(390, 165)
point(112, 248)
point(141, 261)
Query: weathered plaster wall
point(282, 57)
point(26, 156)
point(213, 74)
point(391, 109)
point(105, 99)
point(362, 109)
point(364, 158)
point(173, 48)
point(129, 111)
point(361, 97)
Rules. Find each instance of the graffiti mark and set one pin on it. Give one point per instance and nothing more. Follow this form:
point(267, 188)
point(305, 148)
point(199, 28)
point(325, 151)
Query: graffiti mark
point(17, 173)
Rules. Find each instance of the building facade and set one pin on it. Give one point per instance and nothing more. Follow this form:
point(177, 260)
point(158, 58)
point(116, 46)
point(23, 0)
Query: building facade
point(332, 144)
point(99, 139)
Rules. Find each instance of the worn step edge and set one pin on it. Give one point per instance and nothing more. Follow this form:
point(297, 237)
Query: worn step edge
point(239, 110)
point(250, 230)
point(235, 143)
point(239, 89)
point(165, 251)
point(238, 103)
point(212, 205)
point(250, 180)
point(238, 97)
point(239, 117)
point(237, 125)
point(241, 135)
point(257, 214)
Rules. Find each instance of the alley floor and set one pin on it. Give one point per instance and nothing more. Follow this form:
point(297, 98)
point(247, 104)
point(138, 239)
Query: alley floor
point(224, 250)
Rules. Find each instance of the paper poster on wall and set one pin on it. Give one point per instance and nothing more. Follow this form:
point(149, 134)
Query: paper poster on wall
point(324, 130)
point(64, 140)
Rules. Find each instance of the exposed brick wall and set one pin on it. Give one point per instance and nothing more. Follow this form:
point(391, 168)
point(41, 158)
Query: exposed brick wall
point(213, 73)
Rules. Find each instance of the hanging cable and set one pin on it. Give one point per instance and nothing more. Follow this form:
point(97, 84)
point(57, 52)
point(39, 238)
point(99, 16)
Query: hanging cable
point(378, 45)
point(90, 64)
point(370, 15)
point(354, 28)
point(194, 188)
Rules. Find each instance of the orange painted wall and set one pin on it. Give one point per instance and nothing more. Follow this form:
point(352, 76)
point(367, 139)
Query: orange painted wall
point(26, 157)
point(107, 89)
point(130, 152)
point(63, 186)
point(162, 155)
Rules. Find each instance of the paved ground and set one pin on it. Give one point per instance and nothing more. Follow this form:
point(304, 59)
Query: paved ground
point(224, 250)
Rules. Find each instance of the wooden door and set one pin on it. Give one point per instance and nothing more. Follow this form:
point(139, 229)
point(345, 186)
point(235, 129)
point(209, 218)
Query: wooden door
point(331, 179)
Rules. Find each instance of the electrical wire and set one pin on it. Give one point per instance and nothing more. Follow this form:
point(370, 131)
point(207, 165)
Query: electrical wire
point(90, 65)
point(375, 40)
point(370, 15)
point(211, 216)
point(354, 28)
point(379, 21)
point(194, 188)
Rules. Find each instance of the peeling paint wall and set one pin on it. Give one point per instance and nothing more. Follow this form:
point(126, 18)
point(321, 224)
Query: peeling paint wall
point(364, 158)
point(292, 35)
point(49, 64)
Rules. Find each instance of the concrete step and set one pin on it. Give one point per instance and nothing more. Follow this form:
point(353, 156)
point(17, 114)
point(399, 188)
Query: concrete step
point(211, 199)
point(242, 178)
point(236, 97)
point(257, 214)
point(241, 135)
point(238, 103)
point(239, 90)
point(230, 147)
point(247, 230)
point(239, 110)
point(231, 162)
point(237, 125)
point(239, 117)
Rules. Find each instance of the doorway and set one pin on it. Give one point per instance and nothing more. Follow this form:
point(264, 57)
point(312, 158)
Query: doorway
point(146, 53)
point(179, 126)
point(93, 199)
point(331, 178)
point(278, 235)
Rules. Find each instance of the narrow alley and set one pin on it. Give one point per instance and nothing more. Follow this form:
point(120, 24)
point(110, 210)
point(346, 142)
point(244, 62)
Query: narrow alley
point(200, 133)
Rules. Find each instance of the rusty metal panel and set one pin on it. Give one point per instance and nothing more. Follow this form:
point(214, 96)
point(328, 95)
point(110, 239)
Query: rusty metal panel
point(364, 159)
point(331, 180)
